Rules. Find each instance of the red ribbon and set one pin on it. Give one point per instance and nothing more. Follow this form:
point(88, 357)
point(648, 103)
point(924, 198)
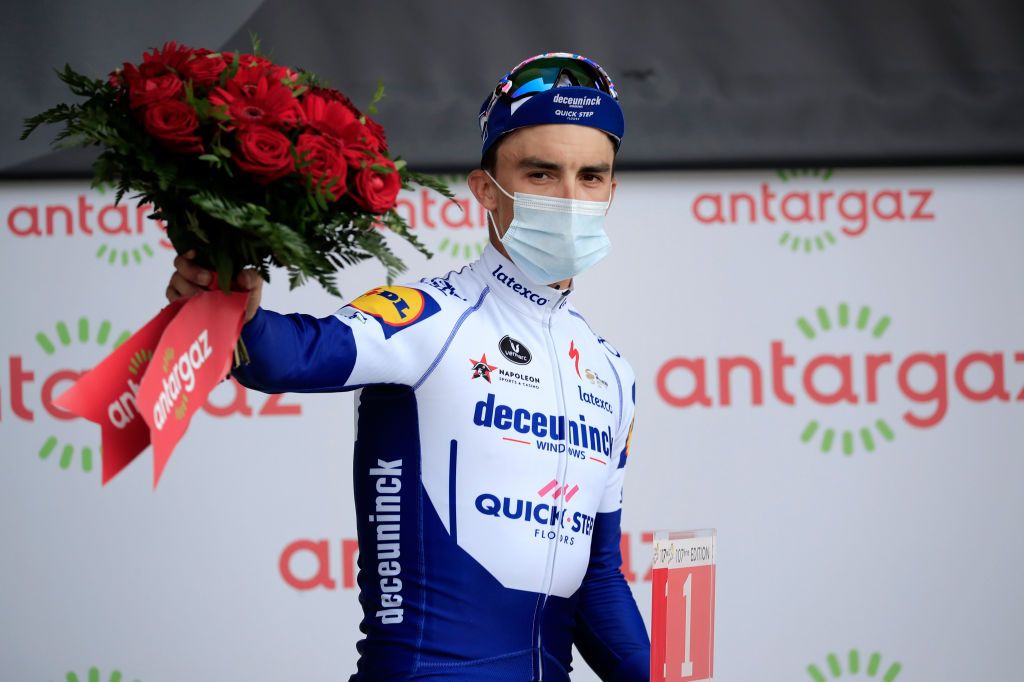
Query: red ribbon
point(149, 388)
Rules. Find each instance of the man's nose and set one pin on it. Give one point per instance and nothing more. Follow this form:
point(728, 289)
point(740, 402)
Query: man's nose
point(569, 188)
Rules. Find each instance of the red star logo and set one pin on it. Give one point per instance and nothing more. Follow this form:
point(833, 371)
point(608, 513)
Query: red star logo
point(481, 368)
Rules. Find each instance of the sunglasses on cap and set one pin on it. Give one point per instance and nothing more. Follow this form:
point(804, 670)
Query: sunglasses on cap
point(549, 70)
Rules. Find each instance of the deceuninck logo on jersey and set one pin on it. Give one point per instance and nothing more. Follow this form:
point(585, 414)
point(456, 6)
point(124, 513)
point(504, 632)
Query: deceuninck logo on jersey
point(396, 308)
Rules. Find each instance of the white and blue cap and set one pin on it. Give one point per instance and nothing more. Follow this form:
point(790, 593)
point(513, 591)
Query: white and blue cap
point(554, 87)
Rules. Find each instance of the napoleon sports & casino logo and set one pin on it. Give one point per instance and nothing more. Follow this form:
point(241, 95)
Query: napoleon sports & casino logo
point(34, 379)
point(808, 210)
point(123, 234)
point(868, 381)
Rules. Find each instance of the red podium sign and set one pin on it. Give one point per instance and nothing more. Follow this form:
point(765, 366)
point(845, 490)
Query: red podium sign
point(683, 613)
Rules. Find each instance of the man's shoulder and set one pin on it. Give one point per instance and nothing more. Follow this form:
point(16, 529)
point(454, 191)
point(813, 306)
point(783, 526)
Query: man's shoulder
point(457, 289)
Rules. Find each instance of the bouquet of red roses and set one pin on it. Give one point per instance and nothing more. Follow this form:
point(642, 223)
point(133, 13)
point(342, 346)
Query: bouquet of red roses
point(250, 164)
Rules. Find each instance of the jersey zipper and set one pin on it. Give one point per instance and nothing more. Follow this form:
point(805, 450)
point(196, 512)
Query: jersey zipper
point(563, 466)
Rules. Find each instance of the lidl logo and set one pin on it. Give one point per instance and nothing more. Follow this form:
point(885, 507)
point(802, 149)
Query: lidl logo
point(856, 667)
point(867, 381)
point(811, 210)
point(395, 308)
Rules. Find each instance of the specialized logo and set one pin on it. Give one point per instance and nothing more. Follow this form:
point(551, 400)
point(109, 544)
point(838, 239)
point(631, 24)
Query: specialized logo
point(574, 355)
point(811, 212)
point(481, 368)
point(126, 235)
point(856, 668)
point(514, 351)
point(396, 308)
point(582, 441)
point(518, 287)
point(548, 520)
point(859, 381)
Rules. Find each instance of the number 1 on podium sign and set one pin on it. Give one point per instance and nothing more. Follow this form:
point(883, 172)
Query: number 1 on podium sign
point(683, 610)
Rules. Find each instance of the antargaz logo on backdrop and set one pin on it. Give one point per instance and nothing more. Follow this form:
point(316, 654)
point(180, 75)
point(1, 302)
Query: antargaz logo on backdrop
point(810, 212)
point(856, 667)
point(856, 379)
point(94, 676)
point(123, 234)
point(46, 367)
point(458, 229)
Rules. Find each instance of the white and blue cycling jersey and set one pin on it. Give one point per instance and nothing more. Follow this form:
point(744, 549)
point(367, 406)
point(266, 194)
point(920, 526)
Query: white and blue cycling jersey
point(493, 430)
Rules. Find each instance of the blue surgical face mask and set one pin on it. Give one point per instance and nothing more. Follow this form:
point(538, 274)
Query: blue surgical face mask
point(552, 239)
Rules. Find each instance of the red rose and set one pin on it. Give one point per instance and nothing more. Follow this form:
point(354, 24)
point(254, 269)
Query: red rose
point(171, 58)
point(144, 90)
point(204, 68)
point(375, 191)
point(377, 131)
point(324, 161)
point(264, 153)
point(173, 123)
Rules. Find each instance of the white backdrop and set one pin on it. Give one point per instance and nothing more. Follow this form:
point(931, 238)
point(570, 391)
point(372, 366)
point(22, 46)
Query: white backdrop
point(762, 311)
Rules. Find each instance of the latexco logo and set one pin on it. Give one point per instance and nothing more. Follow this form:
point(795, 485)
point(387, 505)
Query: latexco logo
point(123, 233)
point(860, 378)
point(871, 667)
point(458, 229)
point(93, 675)
point(47, 368)
point(810, 211)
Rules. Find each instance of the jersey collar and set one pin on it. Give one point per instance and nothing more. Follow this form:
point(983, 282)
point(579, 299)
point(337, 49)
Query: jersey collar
point(509, 283)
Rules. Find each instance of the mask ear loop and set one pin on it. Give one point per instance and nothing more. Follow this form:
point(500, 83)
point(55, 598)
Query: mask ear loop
point(492, 223)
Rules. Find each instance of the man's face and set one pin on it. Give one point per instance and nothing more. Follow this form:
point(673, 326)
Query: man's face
point(556, 160)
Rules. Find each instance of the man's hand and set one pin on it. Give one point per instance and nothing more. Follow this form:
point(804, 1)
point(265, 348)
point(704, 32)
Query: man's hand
point(189, 279)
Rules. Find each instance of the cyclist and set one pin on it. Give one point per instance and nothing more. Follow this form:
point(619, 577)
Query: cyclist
point(493, 425)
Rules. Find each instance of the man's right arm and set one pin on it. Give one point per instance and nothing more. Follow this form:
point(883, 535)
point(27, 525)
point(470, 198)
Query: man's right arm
point(296, 353)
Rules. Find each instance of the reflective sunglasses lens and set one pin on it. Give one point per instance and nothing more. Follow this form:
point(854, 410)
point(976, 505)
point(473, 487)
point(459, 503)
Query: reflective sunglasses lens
point(543, 74)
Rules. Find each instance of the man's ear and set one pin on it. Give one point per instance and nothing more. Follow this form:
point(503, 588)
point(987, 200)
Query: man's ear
point(483, 189)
